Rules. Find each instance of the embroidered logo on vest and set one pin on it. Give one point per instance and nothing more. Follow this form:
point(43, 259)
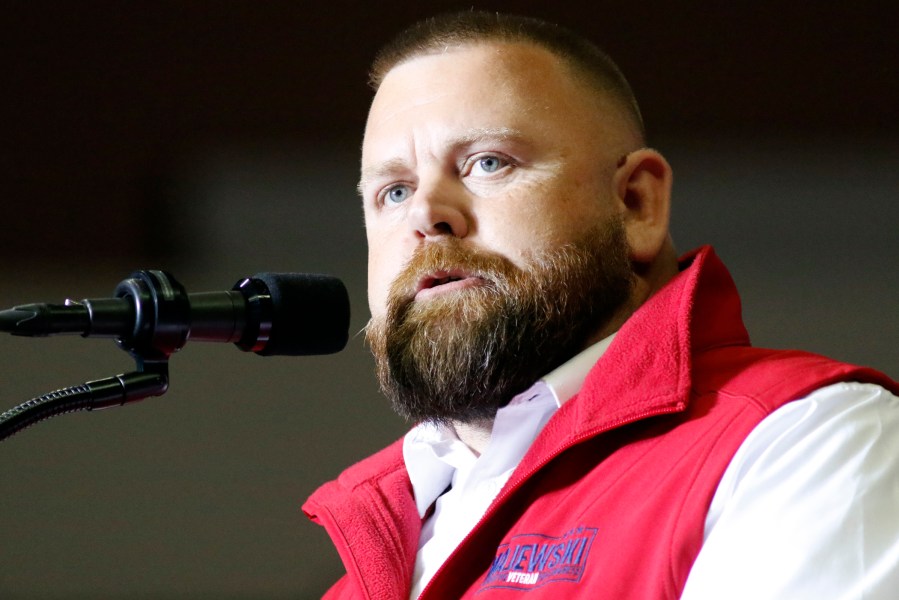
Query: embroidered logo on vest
point(532, 560)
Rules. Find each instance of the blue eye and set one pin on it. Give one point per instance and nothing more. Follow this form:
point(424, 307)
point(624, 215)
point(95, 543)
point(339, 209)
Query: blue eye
point(397, 194)
point(490, 164)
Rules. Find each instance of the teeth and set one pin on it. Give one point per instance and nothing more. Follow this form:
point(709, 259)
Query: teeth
point(444, 280)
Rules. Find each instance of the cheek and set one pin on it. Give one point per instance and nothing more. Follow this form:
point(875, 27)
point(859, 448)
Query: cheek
point(378, 283)
point(523, 230)
point(566, 212)
point(515, 224)
point(384, 264)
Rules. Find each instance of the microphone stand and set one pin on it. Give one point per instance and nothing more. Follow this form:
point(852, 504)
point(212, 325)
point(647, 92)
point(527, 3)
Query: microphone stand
point(162, 324)
point(92, 395)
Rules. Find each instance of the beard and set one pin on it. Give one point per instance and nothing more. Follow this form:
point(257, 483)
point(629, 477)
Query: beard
point(463, 354)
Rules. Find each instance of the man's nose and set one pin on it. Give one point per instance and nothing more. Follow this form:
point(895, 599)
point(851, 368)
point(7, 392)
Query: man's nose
point(440, 208)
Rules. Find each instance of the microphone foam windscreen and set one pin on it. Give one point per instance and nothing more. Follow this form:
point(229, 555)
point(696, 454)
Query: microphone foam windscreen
point(310, 314)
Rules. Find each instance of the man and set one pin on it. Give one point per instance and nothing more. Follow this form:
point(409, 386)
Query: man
point(591, 420)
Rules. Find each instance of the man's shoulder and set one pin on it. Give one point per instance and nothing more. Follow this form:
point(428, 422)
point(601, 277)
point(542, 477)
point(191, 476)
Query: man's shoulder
point(764, 374)
point(375, 467)
point(384, 470)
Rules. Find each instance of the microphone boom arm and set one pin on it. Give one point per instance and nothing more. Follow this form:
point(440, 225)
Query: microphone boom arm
point(93, 395)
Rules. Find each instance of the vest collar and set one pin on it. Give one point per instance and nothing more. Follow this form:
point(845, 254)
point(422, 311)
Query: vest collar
point(650, 359)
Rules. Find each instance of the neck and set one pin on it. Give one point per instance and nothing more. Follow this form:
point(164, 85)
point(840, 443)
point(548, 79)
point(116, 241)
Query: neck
point(649, 278)
point(475, 435)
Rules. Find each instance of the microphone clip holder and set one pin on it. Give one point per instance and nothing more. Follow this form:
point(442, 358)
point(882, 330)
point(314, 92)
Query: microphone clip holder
point(161, 311)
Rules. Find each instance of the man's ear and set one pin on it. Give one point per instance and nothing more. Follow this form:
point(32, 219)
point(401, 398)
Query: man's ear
point(642, 185)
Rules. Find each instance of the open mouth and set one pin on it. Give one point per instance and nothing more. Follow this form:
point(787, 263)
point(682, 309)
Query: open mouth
point(436, 281)
point(445, 281)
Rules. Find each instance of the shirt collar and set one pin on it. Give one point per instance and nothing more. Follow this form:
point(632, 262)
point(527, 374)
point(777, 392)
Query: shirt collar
point(566, 380)
point(433, 453)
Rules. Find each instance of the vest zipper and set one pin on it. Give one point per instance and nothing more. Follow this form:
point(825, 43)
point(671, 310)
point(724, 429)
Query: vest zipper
point(509, 489)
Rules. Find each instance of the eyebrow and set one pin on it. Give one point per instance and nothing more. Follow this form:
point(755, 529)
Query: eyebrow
point(381, 170)
point(468, 138)
point(481, 134)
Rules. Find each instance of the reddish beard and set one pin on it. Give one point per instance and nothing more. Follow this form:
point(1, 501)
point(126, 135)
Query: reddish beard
point(463, 354)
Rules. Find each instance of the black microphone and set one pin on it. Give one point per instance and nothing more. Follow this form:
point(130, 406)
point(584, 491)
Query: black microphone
point(288, 314)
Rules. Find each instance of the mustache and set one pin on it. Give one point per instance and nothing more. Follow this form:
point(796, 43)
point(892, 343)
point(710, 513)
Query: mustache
point(450, 255)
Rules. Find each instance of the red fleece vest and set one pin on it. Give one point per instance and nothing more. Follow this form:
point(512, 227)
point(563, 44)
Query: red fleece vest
point(610, 501)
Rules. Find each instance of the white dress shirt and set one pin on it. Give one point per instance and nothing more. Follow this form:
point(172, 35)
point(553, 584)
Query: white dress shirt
point(776, 528)
point(436, 460)
point(809, 505)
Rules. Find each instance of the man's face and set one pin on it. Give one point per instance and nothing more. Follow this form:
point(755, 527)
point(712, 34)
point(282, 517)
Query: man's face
point(496, 249)
point(494, 144)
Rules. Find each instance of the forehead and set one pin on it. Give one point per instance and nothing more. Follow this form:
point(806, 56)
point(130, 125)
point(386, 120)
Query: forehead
point(493, 79)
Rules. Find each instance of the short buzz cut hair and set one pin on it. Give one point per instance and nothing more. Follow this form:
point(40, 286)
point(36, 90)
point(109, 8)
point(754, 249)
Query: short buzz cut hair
point(436, 34)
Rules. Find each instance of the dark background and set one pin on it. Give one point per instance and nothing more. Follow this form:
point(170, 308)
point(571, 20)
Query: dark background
point(218, 139)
